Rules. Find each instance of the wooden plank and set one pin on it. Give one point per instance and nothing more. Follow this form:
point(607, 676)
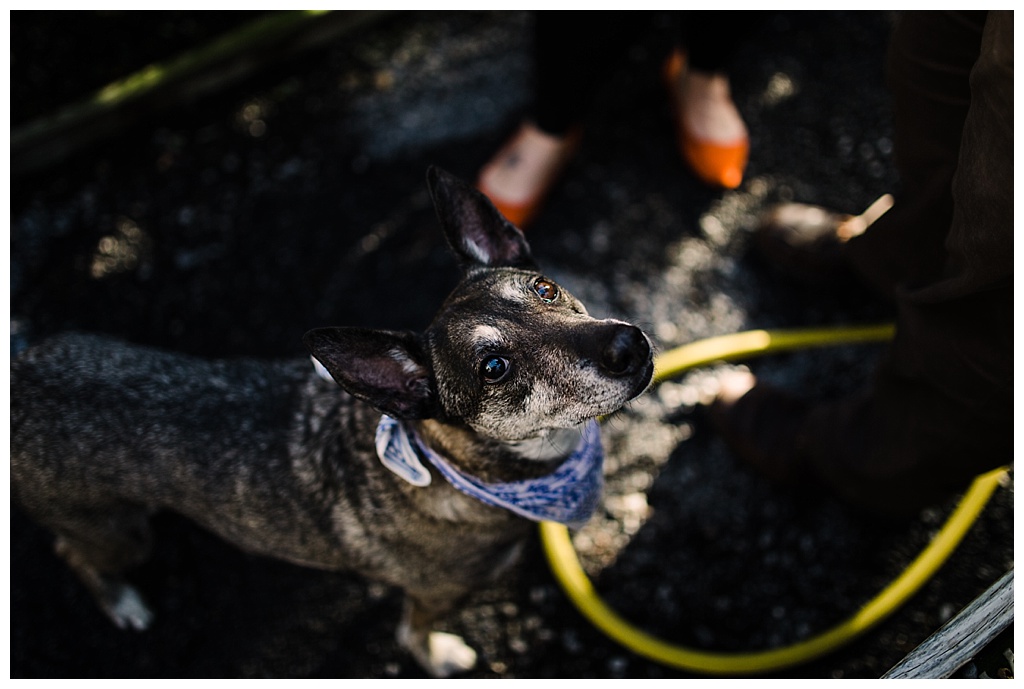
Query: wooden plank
point(962, 638)
point(237, 54)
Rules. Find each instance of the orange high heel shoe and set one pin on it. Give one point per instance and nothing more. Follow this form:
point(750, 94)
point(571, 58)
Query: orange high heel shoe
point(520, 212)
point(716, 164)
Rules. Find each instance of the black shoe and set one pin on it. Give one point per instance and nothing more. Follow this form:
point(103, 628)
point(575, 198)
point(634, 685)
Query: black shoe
point(763, 427)
point(807, 242)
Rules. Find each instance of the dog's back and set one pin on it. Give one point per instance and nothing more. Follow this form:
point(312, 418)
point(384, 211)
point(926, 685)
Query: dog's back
point(104, 424)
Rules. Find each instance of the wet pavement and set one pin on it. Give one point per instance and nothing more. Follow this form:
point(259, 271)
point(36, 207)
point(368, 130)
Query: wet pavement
point(296, 198)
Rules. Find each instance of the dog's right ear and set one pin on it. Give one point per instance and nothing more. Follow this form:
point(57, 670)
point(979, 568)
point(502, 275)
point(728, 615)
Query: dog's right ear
point(387, 369)
point(476, 231)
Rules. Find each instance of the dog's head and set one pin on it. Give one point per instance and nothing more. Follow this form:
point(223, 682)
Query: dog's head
point(510, 353)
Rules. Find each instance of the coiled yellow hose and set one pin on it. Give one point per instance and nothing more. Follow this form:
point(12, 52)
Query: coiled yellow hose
point(567, 569)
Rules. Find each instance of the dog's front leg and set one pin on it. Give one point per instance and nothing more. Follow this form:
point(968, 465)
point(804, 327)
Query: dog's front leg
point(440, 654)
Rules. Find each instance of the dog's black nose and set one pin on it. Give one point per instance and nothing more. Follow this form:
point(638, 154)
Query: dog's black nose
point(626, 351)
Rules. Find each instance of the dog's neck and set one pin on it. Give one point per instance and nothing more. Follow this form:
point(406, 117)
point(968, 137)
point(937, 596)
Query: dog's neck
point(568, 494)
point(550, 446)
point(494, 461)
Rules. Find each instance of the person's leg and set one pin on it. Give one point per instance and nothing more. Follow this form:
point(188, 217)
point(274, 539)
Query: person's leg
point(573, 52)
point(939, 410)
point(713, 136)
point(928, 71)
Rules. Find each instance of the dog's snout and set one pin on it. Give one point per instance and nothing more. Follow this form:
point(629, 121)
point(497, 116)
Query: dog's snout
point(626, 351)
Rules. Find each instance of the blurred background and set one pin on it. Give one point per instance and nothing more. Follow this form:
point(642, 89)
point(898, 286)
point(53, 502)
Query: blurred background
point(217, 183)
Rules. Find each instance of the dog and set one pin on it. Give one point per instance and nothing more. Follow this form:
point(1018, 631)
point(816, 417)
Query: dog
point(414, 459)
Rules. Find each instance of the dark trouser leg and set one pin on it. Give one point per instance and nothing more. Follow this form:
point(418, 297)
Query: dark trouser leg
point(940, 408)
point(930, 60)
point(712, 39)
point(573, 53)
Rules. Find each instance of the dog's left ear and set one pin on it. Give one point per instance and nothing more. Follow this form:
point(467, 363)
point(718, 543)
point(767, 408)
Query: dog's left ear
point(475, 229)
point(387, 369)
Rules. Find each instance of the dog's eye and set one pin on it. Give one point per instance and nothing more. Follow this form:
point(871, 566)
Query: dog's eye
point(546, 290)
point(494, 368)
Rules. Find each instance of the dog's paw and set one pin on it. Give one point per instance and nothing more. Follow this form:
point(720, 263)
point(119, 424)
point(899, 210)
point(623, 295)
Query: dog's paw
point(127, 609)
point(449, 654)
point(440, 654)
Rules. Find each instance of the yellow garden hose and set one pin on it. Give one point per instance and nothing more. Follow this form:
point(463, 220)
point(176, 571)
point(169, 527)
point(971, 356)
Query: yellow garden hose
point(567, 569)
point(757, 342)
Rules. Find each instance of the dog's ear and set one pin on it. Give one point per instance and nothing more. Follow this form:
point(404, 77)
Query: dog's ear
point(478, 233)
point(385, 368)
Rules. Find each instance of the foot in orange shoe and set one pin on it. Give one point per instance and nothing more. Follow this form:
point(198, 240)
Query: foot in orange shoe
point(713, 138)
point(520, 175)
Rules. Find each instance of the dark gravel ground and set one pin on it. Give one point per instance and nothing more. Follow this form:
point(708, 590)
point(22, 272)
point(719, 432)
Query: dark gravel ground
point(297, 199)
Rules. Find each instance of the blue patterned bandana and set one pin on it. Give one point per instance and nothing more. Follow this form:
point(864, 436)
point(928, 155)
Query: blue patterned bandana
point(569, 495)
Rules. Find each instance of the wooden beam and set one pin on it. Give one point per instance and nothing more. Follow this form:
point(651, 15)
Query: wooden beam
point(958, 641)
